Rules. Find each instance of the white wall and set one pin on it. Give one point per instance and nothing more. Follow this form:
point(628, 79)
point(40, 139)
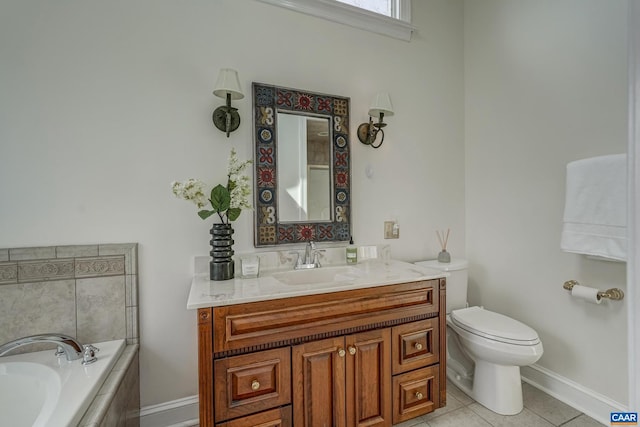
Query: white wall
point(103, 104)
point(545, 84)
point(633, 266)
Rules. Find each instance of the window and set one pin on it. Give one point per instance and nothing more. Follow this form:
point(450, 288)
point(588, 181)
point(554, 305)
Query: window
point(388, 17)
point(383, 7)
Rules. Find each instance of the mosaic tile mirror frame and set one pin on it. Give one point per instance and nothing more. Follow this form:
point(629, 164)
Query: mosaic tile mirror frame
point(270, 229)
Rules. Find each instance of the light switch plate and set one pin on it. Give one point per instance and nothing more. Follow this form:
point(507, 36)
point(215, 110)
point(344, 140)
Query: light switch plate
point(391, 230)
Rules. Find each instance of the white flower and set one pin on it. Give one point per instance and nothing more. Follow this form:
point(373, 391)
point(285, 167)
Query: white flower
point(236, 192)
point(191, 190)
point(235, 168)
point(240, 193)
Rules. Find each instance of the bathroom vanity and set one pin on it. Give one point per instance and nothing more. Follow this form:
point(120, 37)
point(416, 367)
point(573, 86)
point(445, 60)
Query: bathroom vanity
point(340, 346)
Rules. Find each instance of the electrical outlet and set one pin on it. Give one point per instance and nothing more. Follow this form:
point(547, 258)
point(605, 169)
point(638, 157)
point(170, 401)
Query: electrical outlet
point(391, 230)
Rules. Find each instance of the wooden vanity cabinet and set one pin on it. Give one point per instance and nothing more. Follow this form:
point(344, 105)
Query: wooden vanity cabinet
point(365, 357)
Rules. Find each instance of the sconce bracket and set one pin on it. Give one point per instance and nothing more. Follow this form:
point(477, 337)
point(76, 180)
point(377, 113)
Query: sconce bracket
point(368, 133)
point(363, 133)
point(226, 119)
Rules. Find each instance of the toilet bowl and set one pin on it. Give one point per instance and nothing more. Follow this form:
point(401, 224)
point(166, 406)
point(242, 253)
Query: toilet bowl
point(485, 349)
point(497, 346)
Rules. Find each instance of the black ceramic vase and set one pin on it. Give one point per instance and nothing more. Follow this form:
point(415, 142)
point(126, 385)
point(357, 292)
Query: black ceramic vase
point(221, 264)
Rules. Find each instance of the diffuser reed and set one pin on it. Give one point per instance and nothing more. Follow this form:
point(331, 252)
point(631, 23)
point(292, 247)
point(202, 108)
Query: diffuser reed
point(443, 256)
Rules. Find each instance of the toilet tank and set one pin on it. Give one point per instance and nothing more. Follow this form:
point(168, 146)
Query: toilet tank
point(456, 281)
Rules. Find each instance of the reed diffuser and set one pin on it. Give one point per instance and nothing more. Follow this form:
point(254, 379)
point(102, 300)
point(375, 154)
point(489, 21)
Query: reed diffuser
point(443, 256)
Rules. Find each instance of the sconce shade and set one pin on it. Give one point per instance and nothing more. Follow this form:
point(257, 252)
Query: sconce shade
point(368, 132)
point(228, 83)
point(381, 103)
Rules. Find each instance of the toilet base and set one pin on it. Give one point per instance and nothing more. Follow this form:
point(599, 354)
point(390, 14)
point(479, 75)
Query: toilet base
point(496, 387)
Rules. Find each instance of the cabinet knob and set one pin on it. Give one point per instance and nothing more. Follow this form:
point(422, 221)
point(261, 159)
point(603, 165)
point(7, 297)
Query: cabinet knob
point(255, 385)
point(352, 350)
point(341, 352)
point(418, 346)
point(419, 395)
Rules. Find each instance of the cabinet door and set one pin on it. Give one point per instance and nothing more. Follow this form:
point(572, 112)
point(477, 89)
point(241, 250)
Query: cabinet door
point(318, 383)
point(369, 378)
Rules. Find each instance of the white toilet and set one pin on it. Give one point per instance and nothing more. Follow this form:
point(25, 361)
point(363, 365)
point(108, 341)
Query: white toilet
point(484, 349)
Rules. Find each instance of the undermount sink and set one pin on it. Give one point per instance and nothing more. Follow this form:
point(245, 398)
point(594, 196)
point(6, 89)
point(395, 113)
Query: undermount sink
point(318, 275)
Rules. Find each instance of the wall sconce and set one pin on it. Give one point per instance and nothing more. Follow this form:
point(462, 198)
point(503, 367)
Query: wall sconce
point(368, 132)
point(225, 117)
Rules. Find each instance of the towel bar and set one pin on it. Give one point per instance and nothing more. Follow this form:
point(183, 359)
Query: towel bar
point(613, 293)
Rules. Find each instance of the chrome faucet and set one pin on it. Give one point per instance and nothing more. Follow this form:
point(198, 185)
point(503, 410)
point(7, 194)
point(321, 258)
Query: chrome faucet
point(308, 252)
point(310, 259)
point(67, 345)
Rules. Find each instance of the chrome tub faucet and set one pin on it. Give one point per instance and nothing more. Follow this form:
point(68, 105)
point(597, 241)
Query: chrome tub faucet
point(67, 345)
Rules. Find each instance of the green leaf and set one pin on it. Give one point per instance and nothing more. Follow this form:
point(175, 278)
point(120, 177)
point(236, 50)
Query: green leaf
point(204, 214)
point(220, 198)
point(233, 213)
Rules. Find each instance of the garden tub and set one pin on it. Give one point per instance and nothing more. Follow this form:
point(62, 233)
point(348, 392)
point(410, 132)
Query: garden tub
point(39, 389)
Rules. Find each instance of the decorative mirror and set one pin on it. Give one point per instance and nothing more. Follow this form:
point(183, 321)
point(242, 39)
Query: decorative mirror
point(302, 166)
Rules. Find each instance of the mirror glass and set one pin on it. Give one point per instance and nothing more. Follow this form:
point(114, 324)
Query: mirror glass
point(302, 166)
point(304, 175)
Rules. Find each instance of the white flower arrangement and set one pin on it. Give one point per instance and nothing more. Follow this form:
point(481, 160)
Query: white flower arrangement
point(227, 201)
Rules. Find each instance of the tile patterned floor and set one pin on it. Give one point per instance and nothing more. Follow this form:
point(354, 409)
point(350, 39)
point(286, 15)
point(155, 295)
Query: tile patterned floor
point(540, 410)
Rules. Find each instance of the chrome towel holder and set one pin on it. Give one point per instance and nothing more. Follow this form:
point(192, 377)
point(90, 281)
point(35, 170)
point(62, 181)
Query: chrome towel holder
point(612, 294)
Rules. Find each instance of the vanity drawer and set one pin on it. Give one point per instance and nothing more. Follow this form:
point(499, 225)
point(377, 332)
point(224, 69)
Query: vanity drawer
point(251, 383)
point(252, 324)
point(415, 393)
point(280, 417)
point(415, 345)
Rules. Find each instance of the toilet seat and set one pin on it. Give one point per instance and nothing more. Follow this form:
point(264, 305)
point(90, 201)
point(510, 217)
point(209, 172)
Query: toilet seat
point(494, 326)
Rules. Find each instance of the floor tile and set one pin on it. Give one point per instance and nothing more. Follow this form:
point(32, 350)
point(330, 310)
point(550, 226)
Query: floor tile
point(416, 422)
point(460, 417)
point(452, 405)
point(458, 394)
point(526, 418)
point(583, 421)
point(546, 406)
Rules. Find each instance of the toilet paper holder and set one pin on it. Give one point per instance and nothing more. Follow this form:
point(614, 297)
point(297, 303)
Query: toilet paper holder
point(613, 293)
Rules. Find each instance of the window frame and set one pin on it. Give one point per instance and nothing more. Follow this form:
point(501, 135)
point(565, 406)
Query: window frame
point(356, 17)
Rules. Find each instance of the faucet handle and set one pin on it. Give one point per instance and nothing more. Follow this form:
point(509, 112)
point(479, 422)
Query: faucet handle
point(298, 259)
point(89, 354)
point(316, 257)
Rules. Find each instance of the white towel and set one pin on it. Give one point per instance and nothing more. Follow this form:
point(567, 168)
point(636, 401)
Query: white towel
point(595, 212)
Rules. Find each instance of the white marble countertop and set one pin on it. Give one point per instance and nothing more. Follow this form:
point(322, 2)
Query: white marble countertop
point(271, 283)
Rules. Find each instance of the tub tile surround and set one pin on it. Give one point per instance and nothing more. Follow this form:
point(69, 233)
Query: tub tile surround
point(86, 291)
point(118, 400)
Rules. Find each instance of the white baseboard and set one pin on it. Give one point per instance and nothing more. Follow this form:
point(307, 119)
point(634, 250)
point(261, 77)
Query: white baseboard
point(184, 412)
point(585, 400)
point(176, 413)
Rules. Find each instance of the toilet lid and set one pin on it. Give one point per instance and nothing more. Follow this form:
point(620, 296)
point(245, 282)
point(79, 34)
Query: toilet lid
point(494, 326)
